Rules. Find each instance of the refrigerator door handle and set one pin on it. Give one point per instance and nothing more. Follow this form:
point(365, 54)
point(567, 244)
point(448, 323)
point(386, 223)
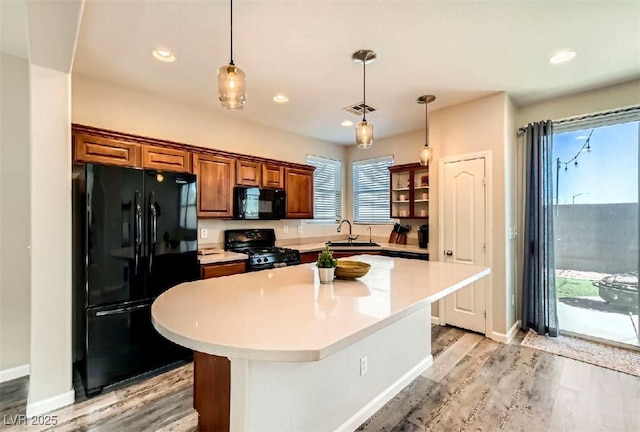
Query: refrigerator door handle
point(154, 228)
point(138, 230)
point(121, 310)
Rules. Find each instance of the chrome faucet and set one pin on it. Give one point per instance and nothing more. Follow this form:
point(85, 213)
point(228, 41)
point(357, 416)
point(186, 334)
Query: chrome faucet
point(350, 238)
point(369, 229)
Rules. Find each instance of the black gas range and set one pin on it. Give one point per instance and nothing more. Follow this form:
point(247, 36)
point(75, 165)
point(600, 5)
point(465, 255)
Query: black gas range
point(260, 245)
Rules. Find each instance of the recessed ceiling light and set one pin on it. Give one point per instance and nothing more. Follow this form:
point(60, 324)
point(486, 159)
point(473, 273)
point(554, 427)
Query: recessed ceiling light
point(280, 98)
point(562, 56)
point(163, 55)
point(347, 123)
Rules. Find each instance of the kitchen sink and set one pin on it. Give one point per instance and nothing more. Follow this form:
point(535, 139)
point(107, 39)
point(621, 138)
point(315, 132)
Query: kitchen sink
point(353, 244)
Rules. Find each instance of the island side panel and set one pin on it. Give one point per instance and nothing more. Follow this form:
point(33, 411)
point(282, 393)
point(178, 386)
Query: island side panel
point(212, 391)
point(330, 394)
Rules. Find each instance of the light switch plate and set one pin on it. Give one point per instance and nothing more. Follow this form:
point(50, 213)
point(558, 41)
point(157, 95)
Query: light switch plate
point(204, 233)
point(300, 229)
point(285, 229)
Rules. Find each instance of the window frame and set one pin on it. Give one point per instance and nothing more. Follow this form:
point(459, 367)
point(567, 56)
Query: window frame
point(318, 190)
point(386, 188)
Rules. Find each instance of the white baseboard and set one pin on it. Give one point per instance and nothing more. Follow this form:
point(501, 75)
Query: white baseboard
point(13, 373)
point(50, 404)
point(506, 338)
point(435, 320)
point(385, 396)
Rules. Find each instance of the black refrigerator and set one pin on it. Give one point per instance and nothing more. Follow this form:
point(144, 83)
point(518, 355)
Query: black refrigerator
point(136, 235)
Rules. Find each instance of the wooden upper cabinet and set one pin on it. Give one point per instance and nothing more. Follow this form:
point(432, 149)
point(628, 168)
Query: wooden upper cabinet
point(248, 173)
point(272, 176)
point(94, 149)
point(215, 185)
point(299, 187)
point(164, 158)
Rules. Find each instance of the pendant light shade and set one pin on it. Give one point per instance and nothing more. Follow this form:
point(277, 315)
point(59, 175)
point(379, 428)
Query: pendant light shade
point(426, 154)
point(231, 84)
point(364, 129)
point(364, 135)
point(231, 79)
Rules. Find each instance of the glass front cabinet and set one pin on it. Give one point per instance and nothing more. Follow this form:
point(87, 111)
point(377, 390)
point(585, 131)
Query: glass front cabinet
point(409, 191)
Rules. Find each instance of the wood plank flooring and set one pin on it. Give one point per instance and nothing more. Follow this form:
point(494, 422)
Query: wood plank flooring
point(475, 384)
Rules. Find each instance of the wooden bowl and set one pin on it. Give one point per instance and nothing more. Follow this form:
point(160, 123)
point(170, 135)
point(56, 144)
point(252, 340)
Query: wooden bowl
point(351, 269)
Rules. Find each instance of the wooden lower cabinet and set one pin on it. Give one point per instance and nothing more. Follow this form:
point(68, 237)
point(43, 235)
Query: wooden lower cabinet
point(93, 149)
point(166, 159)
point(299, 187)
point(310, 257)
point(215, 185)
point(223, 269)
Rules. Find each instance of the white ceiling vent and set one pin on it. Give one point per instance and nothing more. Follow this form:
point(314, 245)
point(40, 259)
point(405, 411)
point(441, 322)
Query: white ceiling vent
point(358, 109)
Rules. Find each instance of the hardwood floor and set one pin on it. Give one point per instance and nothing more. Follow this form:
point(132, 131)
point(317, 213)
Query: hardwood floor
point(475, 384)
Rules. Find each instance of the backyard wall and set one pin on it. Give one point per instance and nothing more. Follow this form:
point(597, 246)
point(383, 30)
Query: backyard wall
point(597, 237)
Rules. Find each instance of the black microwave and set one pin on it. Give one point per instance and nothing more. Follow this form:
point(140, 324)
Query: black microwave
point(254, 203)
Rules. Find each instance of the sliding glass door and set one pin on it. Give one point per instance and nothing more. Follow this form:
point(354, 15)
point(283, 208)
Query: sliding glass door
point(596, 229)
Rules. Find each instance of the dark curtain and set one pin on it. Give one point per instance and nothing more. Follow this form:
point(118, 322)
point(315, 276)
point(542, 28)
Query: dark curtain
point(539, 291)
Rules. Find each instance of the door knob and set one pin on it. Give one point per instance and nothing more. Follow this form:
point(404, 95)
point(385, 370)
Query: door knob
point(449, 253)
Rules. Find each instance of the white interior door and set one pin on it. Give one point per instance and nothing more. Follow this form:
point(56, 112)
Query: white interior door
point(464, 227)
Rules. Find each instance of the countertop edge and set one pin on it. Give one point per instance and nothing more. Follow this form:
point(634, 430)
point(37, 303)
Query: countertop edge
point(308, 355)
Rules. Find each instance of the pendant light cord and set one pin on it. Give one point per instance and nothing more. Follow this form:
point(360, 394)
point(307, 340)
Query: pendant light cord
point(231, 26)
point(364, 88)
point(426, 128)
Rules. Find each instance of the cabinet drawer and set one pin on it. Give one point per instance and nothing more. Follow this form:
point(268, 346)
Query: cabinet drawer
point(168, 159)
point(226, 269)
point(308, 257)
point(105, 151)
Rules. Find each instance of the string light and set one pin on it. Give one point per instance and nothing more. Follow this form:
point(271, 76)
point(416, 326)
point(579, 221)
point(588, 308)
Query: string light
point(586, 146)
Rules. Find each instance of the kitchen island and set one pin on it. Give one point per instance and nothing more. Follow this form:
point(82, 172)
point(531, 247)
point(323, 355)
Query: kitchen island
point(277, 350)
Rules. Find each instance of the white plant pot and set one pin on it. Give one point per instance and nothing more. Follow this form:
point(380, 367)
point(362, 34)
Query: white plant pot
point(326, 275)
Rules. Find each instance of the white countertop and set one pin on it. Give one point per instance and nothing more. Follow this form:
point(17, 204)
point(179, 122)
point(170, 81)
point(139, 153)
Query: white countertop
point(227, 256)
point(285, 314)
point(312, 247)
point(224, 256)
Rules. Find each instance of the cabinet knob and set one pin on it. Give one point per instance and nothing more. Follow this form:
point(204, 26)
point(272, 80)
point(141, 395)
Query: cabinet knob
point(449, 253)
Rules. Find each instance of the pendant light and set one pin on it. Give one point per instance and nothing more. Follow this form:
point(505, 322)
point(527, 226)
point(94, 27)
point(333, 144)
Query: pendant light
point(426, 154)
point(364, 129)
point(231, 80)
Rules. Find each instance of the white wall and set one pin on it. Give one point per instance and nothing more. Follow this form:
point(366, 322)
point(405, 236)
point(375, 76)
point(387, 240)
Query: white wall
point(111, 106)
point(14, 210)
point(50, 382)
point(470, 127)
point(602, 99)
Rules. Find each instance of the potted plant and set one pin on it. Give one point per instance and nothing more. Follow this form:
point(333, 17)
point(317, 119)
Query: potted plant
point(326, 265)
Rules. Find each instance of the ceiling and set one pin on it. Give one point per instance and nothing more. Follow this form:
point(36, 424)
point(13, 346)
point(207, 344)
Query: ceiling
point(456, 50)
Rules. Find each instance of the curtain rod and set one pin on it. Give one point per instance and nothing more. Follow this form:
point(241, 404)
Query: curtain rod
point(625, 110)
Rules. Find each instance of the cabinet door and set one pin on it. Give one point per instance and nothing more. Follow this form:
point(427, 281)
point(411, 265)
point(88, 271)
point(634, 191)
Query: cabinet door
point(92, 149)
point(299, 186)
point(272, 176)
point(166, 159)
point(248, 173)
point(215, 185)
point(226, 269)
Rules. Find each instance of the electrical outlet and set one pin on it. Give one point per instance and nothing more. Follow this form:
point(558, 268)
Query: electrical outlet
point(300, 229)
point(513, 299)
point(285, 229)
point(364, 365)
point(204, 233)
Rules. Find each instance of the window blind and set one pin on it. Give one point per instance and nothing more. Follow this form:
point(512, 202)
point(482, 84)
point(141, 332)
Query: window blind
point(327, 193)
point(371, 190)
